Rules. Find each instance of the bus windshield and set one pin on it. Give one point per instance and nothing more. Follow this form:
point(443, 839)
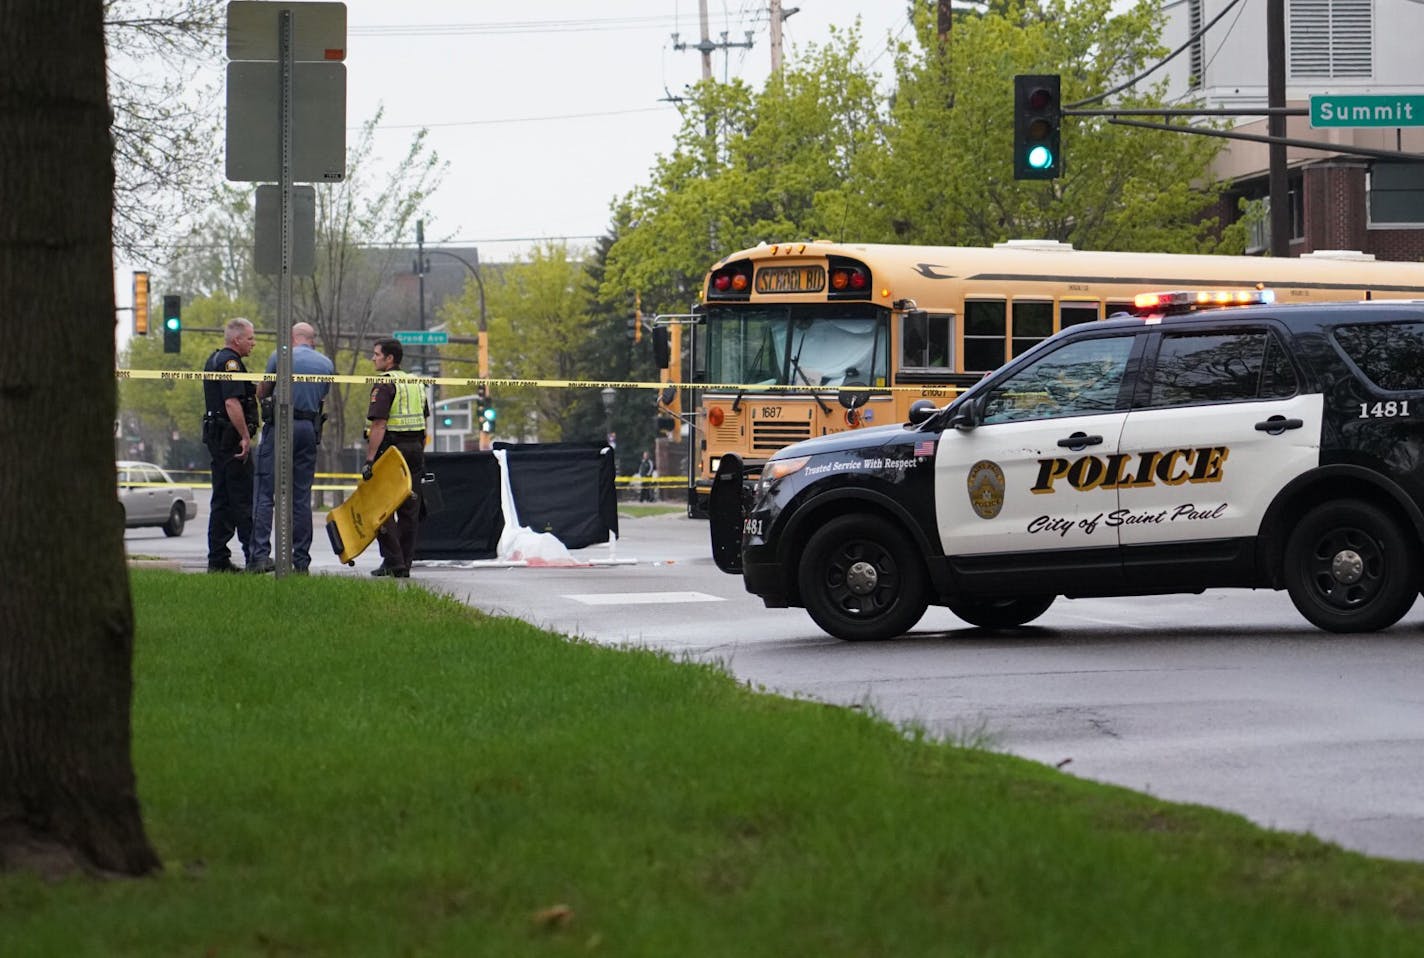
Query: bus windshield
point(811, 345)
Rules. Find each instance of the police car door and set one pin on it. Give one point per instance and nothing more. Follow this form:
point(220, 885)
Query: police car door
point(1027, 478)
point(1219, 425)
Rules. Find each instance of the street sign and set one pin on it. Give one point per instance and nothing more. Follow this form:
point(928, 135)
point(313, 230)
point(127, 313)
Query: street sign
point(1382, 109)
point(267, 236)
point(318, 122)
point(422, 337)
point(320, 32)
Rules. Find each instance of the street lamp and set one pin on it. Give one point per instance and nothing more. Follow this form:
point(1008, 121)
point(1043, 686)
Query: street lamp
point(474, 269)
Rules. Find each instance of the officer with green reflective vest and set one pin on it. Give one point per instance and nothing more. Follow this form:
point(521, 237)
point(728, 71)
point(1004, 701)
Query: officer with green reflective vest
point(397, 415)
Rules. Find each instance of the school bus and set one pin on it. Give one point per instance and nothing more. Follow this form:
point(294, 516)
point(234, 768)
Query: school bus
point(916, 322)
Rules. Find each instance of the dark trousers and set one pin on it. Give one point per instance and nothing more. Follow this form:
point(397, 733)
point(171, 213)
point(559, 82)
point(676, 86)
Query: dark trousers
point(265, 487)
point(231, 507)
point(396, 539)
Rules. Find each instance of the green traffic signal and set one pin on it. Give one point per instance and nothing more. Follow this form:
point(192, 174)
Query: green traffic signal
point(172, 324)
point(1038, 114)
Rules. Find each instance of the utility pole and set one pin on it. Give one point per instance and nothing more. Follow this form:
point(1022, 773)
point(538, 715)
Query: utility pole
point(778, 17)
point(1276, 126)
point(706, 46)
point(420, 268)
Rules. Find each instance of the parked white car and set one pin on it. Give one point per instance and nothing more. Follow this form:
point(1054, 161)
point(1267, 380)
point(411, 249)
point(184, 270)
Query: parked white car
point(150, 497)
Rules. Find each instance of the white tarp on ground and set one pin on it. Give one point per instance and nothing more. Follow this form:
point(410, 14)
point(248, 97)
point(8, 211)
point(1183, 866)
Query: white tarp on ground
point(519, 543)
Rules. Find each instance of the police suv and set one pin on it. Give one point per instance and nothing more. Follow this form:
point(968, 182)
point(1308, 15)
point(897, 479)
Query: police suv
point(1263, 446)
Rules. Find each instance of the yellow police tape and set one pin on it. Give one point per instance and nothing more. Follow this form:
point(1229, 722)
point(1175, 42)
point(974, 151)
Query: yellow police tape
point(473, 383)
point(620, 481)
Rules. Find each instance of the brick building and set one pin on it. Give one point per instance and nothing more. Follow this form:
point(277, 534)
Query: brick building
point(1339, 201)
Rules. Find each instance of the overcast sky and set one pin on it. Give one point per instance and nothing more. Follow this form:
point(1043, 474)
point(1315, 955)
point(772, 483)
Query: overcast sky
point(548, 109)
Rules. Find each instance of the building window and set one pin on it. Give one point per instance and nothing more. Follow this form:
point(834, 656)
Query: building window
point(1331, 38)
point(1396, 194)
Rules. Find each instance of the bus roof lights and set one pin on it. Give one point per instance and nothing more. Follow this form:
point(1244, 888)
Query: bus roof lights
point(1182, 301)
point(740, 282)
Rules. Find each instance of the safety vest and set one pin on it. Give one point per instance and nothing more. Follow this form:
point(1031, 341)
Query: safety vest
point(408, 407)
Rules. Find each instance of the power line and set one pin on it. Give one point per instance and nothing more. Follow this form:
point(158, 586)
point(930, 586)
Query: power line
point(508, 27)
point(518, 119)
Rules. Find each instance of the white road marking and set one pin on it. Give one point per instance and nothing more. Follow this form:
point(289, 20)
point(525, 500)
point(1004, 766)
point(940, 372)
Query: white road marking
point(643, 598)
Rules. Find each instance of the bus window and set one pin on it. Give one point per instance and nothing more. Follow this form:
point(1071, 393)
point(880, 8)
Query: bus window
point(1076, 313)
point(1033, 322)
point(799, 345)
point(1115, 308)
point(926, 340)
point(984, 333)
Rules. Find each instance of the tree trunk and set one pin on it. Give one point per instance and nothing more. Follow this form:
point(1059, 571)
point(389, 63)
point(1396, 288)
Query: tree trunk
point(67, 792)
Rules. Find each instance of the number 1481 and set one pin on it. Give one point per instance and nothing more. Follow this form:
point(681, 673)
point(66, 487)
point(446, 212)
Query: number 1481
point(1384, 410)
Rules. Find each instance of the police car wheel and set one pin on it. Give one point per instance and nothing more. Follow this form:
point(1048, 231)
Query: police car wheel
point(176, 518)
point(862, 580)
point(1350, 568)
point(1000, 613)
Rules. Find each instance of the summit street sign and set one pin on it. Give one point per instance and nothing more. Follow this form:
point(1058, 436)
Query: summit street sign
point(1383, 109)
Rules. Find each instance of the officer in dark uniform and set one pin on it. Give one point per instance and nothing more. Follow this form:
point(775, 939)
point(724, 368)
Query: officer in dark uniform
point(397, 414)
point(229, 422)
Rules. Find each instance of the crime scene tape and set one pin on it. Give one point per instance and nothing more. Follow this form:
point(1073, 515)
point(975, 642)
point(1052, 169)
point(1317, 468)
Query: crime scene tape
point(182, 375)
point(618, 481)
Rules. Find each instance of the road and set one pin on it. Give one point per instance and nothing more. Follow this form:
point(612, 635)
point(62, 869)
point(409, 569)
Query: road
point(1227, 699)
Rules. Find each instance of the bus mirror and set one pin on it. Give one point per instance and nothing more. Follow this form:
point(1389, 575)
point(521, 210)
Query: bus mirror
point(662, 347)
point(920, 410)
point(853, 398)
point(667, 395)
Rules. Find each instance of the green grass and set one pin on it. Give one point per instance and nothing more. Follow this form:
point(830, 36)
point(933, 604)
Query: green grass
point(362, 768)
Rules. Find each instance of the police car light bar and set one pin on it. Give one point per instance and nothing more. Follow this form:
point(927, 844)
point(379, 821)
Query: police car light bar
point(1187, 300)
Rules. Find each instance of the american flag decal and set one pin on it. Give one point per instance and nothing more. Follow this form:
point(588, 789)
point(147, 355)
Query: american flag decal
point(925, 447)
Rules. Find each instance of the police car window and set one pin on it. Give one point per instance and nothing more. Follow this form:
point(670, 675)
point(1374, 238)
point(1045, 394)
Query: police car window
point(1391, 355)
point(1080, 378)
point(1195, 368)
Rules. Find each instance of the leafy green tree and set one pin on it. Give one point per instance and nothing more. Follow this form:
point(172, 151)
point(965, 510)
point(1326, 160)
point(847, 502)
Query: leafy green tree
point(749, 167)
point(946, 176)
point(538, 313)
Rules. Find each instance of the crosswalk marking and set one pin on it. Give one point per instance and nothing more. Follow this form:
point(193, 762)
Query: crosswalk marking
point(642, 598)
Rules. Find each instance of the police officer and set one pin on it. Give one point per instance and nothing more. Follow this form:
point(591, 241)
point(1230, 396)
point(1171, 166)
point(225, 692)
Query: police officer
point(229, 421)
point(307, 417)
point(397, 414)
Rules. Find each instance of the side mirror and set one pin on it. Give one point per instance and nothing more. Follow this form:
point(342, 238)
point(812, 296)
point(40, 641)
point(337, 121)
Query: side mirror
point(967, 416)
point(853, 398)
point(662, 347)
point(920, 410)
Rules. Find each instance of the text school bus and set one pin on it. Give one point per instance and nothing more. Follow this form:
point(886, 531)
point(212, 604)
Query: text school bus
point(914, 322)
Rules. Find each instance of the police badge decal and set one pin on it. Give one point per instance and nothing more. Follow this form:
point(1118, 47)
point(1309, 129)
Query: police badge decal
point(986, 489)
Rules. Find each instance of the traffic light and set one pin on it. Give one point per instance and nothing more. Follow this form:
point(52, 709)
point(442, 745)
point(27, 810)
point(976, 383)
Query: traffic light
point(487, 416)
point(172, 324)
point(140, 303)
point(1038, 114)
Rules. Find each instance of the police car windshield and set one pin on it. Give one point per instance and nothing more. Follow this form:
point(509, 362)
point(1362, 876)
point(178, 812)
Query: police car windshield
point(811, 345)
